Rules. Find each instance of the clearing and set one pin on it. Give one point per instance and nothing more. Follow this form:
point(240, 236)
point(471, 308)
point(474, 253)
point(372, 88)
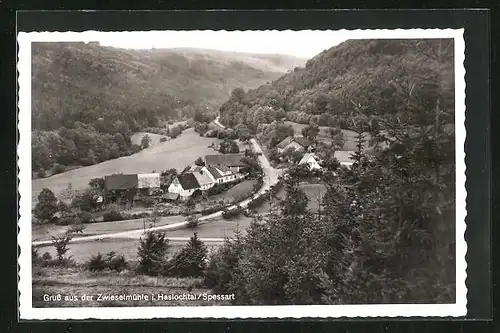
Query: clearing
point(349, 136)
point(78, 282)
point(176, 153)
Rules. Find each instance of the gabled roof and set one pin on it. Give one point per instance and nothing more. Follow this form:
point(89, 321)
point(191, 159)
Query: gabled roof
point(215, 173)
point(304, 142)
point(188, 181)
point(308, 156)
point(225, 159)
point(223, 168)
point(203, 178)
point(284, 142)
point(120, 182)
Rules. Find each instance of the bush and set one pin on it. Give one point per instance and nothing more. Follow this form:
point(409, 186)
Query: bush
point(111, 261)
point(86, 217)
point(192, 222)
point(116, 262)
point(96, 263)
point(76, 228)
point(41, 173)
point(163, 139)
point(58, 168)
point(46, 256)
point(152, 253)
point(228, 214)
point(112, 215)
point(190, 260)
point(211, 210)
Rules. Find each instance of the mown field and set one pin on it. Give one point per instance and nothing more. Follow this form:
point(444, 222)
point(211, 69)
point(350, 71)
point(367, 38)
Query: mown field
point(78, 282)
point(176, 153)
point(80, 252)
point(240, 190)
point(45, 231)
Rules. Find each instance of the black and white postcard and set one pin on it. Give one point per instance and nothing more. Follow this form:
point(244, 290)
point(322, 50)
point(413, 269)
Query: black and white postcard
point(242, 174)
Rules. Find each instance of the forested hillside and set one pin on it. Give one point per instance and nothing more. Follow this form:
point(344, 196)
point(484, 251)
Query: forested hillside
point(351, 81)
point(385, 232)
point(87, 99)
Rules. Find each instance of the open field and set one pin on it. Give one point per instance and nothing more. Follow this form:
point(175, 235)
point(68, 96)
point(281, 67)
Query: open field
point(349, 136)
point(244, 188)
point(155, 138)
point(217, 228)
point(176, 153)
point(77, 282)
point(44, 232)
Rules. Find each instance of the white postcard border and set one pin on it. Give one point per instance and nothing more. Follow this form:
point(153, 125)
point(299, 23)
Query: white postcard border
point(27, 312)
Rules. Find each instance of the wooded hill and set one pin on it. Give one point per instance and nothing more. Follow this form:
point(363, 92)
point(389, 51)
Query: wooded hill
point(354, 80)
point(102, 92)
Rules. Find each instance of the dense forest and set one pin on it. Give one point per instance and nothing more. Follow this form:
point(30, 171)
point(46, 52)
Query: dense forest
point(385, 232)
point(353, 80)
point(87, 100)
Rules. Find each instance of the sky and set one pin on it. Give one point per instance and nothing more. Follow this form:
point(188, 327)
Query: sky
point(303, 44)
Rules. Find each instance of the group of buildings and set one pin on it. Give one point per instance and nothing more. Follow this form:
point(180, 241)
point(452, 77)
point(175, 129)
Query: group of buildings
point(300, 143)
point(218, 169)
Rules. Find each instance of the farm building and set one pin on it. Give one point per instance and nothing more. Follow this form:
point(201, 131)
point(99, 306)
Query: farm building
point(148, 182)
point(311, 160)
point(185, 185)
point(222, 174)
point(120, 182)
point(232, 161)
point(299, 143)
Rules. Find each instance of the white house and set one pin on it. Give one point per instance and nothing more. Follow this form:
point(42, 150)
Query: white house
point(222, 174)
point(204, 178)
point(185, 185)
point(311, 160)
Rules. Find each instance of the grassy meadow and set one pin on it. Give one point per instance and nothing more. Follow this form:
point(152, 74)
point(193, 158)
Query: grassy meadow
point(78, 282)
point(176, 153)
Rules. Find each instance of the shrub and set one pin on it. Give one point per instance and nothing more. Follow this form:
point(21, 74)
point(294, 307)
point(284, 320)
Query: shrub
point(192, 222)
point(86, 217)
point(163, 139)
point(76, 228)
point(58, 168)
point(61, 245)
point(152, 251)
point(96, 263)
point(46, 256)
point(116, 262)
point(228, 214)
point(190, 260)
point(41, 173)
point(112, 215)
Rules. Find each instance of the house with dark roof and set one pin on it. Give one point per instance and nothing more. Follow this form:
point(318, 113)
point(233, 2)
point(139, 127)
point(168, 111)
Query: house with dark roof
point(232, 161)
point(299, 143)
point(185, 185)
